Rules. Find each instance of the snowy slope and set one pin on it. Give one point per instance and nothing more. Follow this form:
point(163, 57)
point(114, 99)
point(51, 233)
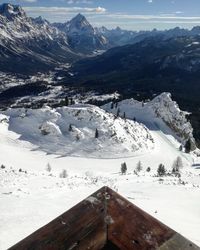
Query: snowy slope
point(71, 131)
point(31, 194)
point(161, 113)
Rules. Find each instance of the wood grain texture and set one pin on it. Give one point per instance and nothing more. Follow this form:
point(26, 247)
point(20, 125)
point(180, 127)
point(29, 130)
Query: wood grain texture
point(132, 228)
point(105, 220)
point(82, 227)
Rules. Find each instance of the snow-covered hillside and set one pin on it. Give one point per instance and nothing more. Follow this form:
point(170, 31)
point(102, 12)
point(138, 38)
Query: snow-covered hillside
point(36, 187)
point(80, 130)
point(170, 113)
point(161, 108)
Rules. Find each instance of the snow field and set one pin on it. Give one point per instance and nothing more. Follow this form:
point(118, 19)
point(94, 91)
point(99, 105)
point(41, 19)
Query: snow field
point(33, 190)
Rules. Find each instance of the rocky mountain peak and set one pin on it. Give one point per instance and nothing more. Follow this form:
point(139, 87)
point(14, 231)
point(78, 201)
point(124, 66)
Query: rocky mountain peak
point(79, 24)
point(11, 11)
point(41, 21)
point(79, 17)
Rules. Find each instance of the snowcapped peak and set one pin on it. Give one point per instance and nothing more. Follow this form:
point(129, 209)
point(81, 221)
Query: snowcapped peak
point(101, 30)
point(79, 24)
point(165, 96)
point(79, 17)
point(40, 20)
point(11, 11)
point(118, 28)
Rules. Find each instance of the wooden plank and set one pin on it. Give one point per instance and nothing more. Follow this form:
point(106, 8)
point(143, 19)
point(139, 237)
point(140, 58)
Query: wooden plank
point(132, 228)
point(105, 220)
point(82, 227)
point(178, 242)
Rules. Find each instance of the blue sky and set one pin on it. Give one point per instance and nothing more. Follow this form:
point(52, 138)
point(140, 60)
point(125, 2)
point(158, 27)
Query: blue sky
point(129, 14)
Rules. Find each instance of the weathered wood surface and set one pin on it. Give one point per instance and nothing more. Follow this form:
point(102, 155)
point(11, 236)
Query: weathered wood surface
point(105, 217)
point(82, 227)
point(132, 228)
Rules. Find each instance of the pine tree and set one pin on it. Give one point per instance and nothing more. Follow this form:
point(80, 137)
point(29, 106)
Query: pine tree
point(118, 112)
point(66, 101)
point(124, 115)
point(142, 103)
point(70, 128)
point(123, 168)
point(188, 146)
point(112, 105)
point(139, 166)
point(96, 133)
point(72, 101)
point(64, 174)
point(48, 168)
point(161, 170)
point(177, 165)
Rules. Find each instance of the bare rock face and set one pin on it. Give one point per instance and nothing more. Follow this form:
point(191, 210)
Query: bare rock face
point(82, 35)
point(12, 11)
point(163, 108)
point(33, 43)
point(169, 111)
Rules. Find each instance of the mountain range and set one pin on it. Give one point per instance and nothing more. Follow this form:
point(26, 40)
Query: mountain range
point(29, 45)
point(137, 64)
point(145, 69)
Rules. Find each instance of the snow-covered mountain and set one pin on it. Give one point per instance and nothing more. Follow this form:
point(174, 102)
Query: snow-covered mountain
point(79, 130)
point(37, 45)
point(120, 37)
point(169, 111)
point(82, 35)
point(29, 42)
point(161, 107)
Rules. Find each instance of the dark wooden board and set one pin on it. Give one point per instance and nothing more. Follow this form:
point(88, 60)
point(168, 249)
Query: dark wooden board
point(82, 227)
point(105, 220)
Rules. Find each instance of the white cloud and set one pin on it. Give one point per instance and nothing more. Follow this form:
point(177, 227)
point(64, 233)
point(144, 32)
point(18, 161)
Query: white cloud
point(179, 12)
point(63, 10)
point(99, 16)
point(154, 17)
point(79, 2)
point(150, 1)
point(29, 1)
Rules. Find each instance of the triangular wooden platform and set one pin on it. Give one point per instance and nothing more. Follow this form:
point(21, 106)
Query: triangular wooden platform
point(105, 220)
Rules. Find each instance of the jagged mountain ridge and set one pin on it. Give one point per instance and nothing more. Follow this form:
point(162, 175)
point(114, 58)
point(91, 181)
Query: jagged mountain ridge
point(28, 44)
point(82, 35)
point(161, 108)
point(181, 54)
point(120, 37)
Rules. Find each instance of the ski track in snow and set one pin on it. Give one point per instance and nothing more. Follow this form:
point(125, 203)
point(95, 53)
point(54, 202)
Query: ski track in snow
point(30, 200)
